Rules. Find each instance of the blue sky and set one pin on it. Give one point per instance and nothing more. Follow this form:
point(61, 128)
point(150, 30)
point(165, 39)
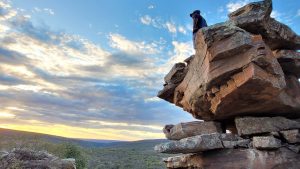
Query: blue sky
point(93, 68)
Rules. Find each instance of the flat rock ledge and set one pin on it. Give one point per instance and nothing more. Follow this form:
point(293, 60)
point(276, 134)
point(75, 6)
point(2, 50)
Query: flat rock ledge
point(202, 143)
point(260, 125)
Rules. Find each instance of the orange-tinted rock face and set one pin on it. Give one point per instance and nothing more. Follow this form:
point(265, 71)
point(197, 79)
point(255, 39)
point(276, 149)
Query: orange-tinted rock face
point(235, 72)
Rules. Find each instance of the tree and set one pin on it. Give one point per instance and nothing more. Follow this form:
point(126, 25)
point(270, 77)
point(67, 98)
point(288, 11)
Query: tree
point(73, 151)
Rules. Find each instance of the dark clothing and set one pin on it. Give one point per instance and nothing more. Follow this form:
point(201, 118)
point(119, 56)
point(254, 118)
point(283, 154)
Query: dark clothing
point(198, 23)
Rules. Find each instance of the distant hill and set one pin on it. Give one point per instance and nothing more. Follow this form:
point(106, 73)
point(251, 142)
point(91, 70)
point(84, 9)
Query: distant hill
point(106, 154)
point(15, 134)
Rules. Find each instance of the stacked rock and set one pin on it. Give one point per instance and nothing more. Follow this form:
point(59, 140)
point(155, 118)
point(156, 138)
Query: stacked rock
point(243, 82)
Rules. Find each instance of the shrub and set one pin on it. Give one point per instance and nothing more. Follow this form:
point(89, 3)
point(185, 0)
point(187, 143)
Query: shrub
point(73, 151)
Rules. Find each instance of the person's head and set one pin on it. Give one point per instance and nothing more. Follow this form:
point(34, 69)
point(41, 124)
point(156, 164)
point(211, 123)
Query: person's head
point(196, 12)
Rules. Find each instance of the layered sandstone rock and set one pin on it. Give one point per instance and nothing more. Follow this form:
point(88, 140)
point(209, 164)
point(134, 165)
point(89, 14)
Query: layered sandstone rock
point(193, 144)
point(255, 18)
point(203, 142)
point(261, 125)
point(243, 78)
point(239, 70)
point(260, 140)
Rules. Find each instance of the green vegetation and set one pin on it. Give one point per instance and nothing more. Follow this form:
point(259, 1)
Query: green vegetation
point(73, 151)
point(123, 155)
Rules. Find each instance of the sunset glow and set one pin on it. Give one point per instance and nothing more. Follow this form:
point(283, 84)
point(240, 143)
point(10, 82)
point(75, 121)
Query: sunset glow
point(92, 69)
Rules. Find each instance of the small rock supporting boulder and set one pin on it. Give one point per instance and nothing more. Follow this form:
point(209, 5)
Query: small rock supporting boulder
point(184, 130)
point(266, 142)
point(243, 78)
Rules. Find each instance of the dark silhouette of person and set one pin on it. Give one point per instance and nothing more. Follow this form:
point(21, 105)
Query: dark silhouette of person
point(198, 23)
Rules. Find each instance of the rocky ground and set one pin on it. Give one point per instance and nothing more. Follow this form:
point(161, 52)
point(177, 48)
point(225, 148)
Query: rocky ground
point(29, 159)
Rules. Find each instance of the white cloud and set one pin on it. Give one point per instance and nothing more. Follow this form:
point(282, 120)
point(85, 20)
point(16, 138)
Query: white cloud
point(275, 14)
point(4, 5)
point(298, 12)
point(152, 99)
point(3, 28)
point(6, 12)
point(283, 17)
point(49, 11)
point(6, 115)
point(181, 29)
point(171, 27)
point(151, 7)
point(221, 9)
point(122, 43)
point(59, 77)
point(27, 16)
point(36, 9)
point(189, 27)
point(155, 22)
point(45, 10)
point(147, 20)
point(232, 6)
point(181, 51)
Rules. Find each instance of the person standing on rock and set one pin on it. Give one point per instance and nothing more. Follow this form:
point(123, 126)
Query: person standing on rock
point(198, 23)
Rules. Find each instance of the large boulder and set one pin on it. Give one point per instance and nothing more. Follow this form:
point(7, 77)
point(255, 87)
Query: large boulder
point(234, 73)
point(245, 66)
point(29, 159)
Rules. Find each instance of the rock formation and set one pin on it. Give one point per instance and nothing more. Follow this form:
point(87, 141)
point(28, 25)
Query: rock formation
point(28, 159)
point(243, 79)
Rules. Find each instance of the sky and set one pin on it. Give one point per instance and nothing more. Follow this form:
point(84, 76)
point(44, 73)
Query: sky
point(92, 68)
